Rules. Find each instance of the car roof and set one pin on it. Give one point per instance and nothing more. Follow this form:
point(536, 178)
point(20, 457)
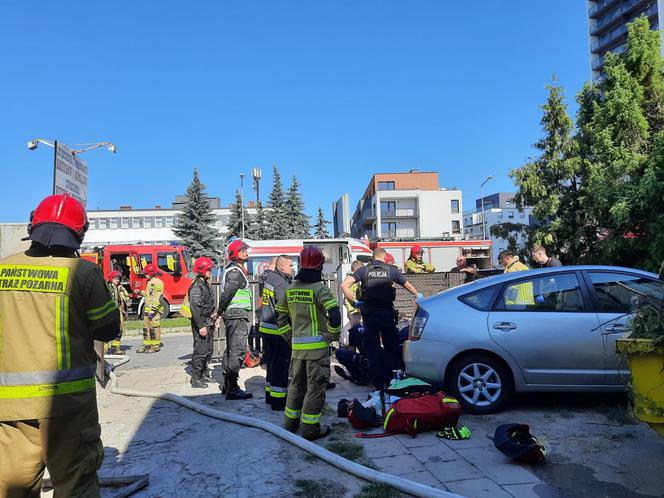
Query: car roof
point(506, 277)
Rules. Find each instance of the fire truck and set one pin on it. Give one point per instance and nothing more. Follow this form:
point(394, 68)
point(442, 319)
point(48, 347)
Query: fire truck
point(174, 262)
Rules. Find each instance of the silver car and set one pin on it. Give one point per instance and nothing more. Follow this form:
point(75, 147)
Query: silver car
point(552, 329)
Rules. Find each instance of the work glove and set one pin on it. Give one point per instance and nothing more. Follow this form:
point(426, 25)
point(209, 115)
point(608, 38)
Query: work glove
point(539, 299)
point(357, 304)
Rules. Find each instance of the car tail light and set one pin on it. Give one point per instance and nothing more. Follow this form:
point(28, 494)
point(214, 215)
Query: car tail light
point(417, 325)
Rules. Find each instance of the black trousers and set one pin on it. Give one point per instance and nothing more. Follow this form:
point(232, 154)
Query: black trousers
point(200, 358)
point(379, 323)
point(278, 363)
point(237, 331)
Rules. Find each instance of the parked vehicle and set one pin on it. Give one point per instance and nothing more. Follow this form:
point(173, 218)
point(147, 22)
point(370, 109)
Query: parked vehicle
point(173, 261)
point(552, 329)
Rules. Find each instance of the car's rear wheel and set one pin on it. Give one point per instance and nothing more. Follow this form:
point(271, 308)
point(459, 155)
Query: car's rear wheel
point(481, 383)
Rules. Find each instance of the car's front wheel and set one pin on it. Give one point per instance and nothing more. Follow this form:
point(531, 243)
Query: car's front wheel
point(481, 383)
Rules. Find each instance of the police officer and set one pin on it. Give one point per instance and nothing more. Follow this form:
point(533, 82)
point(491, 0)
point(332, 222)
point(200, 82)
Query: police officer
point(311, 317)
point(376, 303)
point(121, 298)
point(277, 351)
point(235, 308)
point(52, 305)
point(203, 315)
point(153, 308)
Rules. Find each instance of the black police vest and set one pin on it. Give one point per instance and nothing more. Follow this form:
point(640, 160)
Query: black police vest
point(377, 288)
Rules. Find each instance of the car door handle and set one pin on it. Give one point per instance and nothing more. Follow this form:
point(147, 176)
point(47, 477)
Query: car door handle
point(616, 329)
point(504, 326)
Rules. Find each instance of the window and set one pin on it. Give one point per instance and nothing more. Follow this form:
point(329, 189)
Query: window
point(455, 206)
point(158, 222)
point(149, 222)
point(481, 299)
point(169, 262)
point(510, 215)
point(522, 214)
point(124, 223)
point(456, 226)
point(388, 208)
point(103, 223)
point(500, 215)
point(146, 259)
point(550, 293)
point(385, 185)
point(114, 223)
point(622, 293)
point(136, 222)
point(94, 224)
point(170, 220)
point(388, 229)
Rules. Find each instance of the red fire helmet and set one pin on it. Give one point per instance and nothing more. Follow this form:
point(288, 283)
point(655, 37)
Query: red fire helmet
point(415, 250)
point(202, 265)
point(63, 210)
point(312, 258)
point(113, 274)
point(151, 270)
point(234, 249)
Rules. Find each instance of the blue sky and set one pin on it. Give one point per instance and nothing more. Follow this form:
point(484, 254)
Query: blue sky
point(331, 92)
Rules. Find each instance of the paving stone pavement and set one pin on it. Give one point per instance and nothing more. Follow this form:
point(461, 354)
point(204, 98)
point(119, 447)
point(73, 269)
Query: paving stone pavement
point(187, 454)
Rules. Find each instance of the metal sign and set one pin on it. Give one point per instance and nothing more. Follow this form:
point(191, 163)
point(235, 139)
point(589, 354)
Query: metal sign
point(70, 174)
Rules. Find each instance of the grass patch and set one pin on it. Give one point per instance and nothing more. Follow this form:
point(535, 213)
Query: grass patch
point(378, 491)
point(165, 323)
point(347, 449)
point(618, 414)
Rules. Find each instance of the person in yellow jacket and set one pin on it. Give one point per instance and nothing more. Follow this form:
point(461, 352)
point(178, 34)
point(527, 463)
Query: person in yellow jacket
point(53, 304)
point(121, 298)
point(354, 316)
point(415, 264)
point(153, 308)
point(520, 295)
point(311, 318)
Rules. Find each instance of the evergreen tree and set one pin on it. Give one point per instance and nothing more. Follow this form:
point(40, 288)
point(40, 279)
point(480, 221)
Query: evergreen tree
point(296, 221)
point(258, 224)
point(276, 226)
point(195, 225)
point(235, 219)
point(320, 228)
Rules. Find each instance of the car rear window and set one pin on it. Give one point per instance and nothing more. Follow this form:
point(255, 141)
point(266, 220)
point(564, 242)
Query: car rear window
point(481, 299)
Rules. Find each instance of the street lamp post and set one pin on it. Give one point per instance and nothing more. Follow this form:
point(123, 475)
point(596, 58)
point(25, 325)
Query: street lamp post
point(482, 198)
point(256, 175)
point(242, 202)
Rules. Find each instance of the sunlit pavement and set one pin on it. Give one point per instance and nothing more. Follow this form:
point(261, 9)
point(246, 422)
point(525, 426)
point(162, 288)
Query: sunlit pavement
point(186, 454)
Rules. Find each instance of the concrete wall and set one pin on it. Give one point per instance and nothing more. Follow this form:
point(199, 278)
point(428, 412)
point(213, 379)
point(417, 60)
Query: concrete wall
point(10, 238)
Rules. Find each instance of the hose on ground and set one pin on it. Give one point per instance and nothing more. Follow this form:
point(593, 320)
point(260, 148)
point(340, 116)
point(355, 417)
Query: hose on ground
point(404, 485)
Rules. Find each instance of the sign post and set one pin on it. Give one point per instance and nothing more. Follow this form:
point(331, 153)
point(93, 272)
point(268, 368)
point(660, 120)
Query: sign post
point(70, 174)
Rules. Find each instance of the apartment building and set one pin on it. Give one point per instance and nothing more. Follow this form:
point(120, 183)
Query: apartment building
point(608, 21)
point(150, 226)
point(498, 208)
point(408, 206)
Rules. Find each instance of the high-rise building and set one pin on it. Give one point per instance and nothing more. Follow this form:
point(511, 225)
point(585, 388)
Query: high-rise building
point(407, 206)
point(608, 21)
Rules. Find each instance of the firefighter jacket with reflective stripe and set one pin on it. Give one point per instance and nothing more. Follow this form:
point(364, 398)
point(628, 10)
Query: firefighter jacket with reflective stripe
point(305, 312)
point(50, 309)
point(235, 300)
point(414, 266)
point(201, 303)
point(154, 296)
point(275, 284)
point(119, 295)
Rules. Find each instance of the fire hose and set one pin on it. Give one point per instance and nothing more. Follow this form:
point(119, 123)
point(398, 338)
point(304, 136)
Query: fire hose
point(410, 487)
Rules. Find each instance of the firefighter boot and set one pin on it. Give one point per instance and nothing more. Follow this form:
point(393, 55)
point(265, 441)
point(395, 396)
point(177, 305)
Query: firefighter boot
point(233, 390)
point(197, 381)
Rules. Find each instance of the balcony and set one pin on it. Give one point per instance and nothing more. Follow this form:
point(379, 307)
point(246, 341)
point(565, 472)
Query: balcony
point(616, 15)
point(600, 7)
point(398, 213)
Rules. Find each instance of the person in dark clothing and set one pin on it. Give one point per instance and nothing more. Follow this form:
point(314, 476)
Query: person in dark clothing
point(203, 314)
point(376, 303)
point(276, 349)
point(540, 257)
point(462, 266)
point(235, 308)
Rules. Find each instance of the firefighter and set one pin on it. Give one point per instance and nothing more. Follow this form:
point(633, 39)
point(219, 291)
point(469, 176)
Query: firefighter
point(414, 264)
point(278, 352)
point(52, 305)
point(376, 302)
point(203, 315)
point(121, 298)
point(311, 319)
point(354, 317)
point(153, 308)
point(235, 308)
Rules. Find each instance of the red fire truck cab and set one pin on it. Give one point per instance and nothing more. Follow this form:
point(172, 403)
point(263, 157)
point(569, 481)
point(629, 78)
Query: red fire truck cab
point(173, 261)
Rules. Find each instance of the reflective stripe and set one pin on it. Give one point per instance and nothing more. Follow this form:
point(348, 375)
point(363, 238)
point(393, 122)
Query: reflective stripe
point(310, 346)
point(387, 418)
point(268, 389)
point(62, 332)
point(328, 305)
point(281, 308)
point(45, 377)
point(292, 414)
point(278, 392)
point(310, 419)
point(102, 311)
point(271, 329)
point(241, 300)
point(307, 340)
point(41, 390)
point(334, 329)
point(313, 313)
point(185, 310)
